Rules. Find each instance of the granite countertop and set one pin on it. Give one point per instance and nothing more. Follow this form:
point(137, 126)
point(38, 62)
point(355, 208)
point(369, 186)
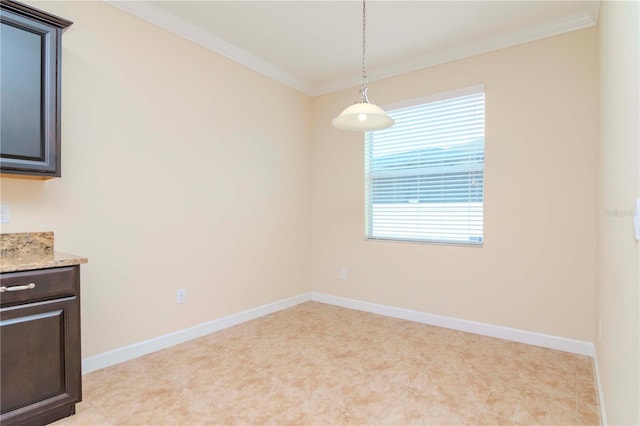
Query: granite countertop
point(26, 251)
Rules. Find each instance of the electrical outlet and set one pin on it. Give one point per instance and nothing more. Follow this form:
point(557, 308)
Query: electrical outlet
point(344, 273)
point(181, 295)
point(5, 213)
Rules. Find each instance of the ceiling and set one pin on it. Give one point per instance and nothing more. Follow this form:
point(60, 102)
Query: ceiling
point(315, 46)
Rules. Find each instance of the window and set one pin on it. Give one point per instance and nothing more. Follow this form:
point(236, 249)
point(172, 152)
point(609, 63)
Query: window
point(424, 176)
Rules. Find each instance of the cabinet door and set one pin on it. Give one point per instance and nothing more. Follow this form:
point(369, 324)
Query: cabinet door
point(29, 127)
point(40, 361)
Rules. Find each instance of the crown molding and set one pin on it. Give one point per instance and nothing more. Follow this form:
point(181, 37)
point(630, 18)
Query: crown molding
point(170, 22)
point(182, 28)
point(593, 9)
point(550, 28)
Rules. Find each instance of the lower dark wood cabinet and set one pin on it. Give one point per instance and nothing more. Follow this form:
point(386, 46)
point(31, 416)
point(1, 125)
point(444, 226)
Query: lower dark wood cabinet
point(40, 352)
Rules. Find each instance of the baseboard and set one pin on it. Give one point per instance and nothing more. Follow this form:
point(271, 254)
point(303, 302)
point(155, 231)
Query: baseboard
point(139, 349)
point(596, 369)
point(521, 336)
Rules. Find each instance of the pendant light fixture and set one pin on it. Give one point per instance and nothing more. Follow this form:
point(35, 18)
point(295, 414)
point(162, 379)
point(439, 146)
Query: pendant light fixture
point(363, 116)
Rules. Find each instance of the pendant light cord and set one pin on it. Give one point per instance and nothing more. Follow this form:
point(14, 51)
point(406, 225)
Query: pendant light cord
point(364, 90)
point(364, 41)
point(363, 115)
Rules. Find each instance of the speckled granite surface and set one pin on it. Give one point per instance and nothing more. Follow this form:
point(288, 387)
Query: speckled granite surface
point(26, 251)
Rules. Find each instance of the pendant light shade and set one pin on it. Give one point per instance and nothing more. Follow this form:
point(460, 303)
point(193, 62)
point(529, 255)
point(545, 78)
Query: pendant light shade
point(363, 116)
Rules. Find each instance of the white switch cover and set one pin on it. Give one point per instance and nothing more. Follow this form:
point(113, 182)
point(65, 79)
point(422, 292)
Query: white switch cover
point(181, 295)
point(599, 330)
point(344, 273)
point(636, 220)
point(5, 213)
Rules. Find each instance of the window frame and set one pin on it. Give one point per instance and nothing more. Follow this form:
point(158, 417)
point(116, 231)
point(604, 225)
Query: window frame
point(466, 91)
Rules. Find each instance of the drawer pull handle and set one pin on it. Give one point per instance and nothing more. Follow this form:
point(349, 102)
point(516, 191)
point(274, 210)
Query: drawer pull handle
point(17, 287)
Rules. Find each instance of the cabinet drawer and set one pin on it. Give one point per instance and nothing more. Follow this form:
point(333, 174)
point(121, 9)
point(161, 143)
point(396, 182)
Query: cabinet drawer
point(43, 283)
point(40, 358)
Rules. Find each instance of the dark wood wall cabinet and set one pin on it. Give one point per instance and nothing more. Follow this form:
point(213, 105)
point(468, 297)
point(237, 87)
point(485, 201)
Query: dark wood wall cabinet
point(30, 65)
point(40, 335)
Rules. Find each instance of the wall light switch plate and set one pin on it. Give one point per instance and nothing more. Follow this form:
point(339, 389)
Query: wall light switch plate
point(636, 220)
point(344, 273)
point(599, 330)
point(5, 213)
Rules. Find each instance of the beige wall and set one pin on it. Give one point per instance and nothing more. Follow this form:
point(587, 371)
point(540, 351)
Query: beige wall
point(619, 184)
point(172, 179)
point(181, 169)
point(536, 270)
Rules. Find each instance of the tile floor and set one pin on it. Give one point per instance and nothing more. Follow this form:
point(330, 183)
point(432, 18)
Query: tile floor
point(317, 364)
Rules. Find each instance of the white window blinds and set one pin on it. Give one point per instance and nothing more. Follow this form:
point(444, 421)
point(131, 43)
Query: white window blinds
point(425, 175)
